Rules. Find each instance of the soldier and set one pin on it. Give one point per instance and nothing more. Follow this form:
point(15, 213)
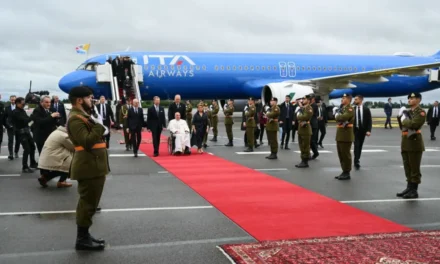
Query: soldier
point(228, 110)
point(272, 127)
point(304, 114)
point(208, 113)
point(89, 165)
point(123, 115)
point(250, 124)
point(412, 145)
point(189, 113)
point(214, 119)
point(344, 135)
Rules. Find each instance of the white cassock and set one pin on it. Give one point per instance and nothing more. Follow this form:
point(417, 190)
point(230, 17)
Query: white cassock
point(180, 130)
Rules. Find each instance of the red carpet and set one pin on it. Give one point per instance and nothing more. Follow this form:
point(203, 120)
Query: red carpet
point(266, 207)
point(396, 248)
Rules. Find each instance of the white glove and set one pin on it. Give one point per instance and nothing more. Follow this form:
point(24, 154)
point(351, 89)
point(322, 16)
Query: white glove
point(403, 108)
point(96, 119)
point(106, 131)
point(297, 114)
point(297, 109)
point(335, 109)
point(402, 118)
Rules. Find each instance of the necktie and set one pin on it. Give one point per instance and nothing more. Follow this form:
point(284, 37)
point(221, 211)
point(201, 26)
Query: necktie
point(56, 107)
point(319, 112)
point(359, 116)
point(435, 112)
point(136, 110)
point(287, 107)
point(103, 111)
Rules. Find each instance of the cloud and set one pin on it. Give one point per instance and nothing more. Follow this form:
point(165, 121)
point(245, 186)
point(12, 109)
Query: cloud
point(38, 42)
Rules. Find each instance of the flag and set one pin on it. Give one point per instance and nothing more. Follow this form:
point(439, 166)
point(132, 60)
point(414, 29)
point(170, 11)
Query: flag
point(82, 49)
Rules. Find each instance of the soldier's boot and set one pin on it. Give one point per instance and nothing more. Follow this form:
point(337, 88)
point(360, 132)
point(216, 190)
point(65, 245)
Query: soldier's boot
point(412, 194)
point(249, 149)
point(272, 155)
point(214, 139)
point(10, 157)
point(344, 176)
point(84, 241)
point(230, 144)
point(304, 164)
point(402, 193)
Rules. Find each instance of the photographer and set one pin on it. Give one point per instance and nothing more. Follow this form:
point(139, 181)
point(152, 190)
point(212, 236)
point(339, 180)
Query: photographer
point(45, 122)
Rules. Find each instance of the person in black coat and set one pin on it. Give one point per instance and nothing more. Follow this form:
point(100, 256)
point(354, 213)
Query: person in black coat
point(57, 106)
point(156, 123)
point(362, 127)
point(10, 129)
point(135, 123)
point(199, 126)
point(315, 128)
point(286, 121)
point(432, 119)
point(388, 109)
point(176, 106)
point(45, 122)
point(322, 121)
point(108, 117)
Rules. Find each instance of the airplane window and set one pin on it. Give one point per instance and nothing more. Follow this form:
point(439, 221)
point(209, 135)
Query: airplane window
point(228, 68)
point(81, 67)
point(204, 67)
point(240, 68)
point(263, 68)
point(345, 68)
point(198, 68)
point(355, 69)
point(304, 68)
point(234, 68)
point(223, 68)
point(152, 67)
point(314, 68)
point(246, 68)
point(91, 66)
point(319, 68)
point(298, 68)
point(309, 68)
point(350, 69)
point(185, 67)
point(330, 68)
point(340, 69)
point(363, 68)
point(252, 68)
point(216, 67)
point(268, 68)
point(275, 68)
point(146, 67)
point(324, 68)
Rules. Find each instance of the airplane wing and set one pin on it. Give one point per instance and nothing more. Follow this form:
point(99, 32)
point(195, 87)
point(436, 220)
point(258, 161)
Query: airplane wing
point(328, 83)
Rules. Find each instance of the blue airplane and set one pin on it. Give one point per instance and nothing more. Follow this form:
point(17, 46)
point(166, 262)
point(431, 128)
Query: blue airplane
point(238, 76)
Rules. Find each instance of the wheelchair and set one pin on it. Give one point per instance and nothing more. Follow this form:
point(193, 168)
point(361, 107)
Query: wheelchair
point(172, 145)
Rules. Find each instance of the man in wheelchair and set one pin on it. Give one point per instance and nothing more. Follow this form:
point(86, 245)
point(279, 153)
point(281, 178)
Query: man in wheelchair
point(180, 135)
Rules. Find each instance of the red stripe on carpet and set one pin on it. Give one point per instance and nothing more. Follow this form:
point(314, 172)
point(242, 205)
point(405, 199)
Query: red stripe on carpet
point(266, 207)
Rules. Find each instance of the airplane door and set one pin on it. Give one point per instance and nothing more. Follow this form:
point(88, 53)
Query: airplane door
point(104, 73)
point(138, 73)
point(434, 75)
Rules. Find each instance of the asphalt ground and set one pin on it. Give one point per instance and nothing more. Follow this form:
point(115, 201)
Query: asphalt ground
point(149, 216)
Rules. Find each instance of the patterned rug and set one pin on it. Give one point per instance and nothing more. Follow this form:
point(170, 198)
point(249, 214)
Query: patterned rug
point(392, 248)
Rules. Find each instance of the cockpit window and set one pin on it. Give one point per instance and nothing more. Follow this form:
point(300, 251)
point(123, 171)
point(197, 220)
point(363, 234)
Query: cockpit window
point(91, 66)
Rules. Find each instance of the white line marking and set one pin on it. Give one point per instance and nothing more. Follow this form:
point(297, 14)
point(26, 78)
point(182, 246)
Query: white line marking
point(253, 153)
point(138, 246)
point(112, 210)
point(373, 150)
point(3, 157)
point(431, 150)
point(434, 224)
point(319, 151)
point(427, 166)
point(390, 200)
point(210, 153)
point(9, 175)
point(126, 155)
point(162, 172)
point(275, 169)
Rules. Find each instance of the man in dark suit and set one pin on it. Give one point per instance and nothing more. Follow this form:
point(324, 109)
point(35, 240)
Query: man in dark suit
point(433, 119)
point(10, 129)
point(322, 121)
point(45, 122)
point(57, 106)
point(135, 122)
point(156, 123)
point(315, 128)
point(388, 109)
point(176, 106)
point(295, 123)
point(362, 127)
point(108, 118)
point(286, 121)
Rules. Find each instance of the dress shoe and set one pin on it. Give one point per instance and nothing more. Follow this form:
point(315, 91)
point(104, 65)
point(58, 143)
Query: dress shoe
point(357, 166)
point(214, 139)
point(87, 243)
point(16, 155)
point(402, 193)
point(10, 157)
point(286, 148)
point(42, 181)
point(34, 165)
point(412, 193)
point(314, 156)
point(321, 145)
point(155, 155)
point(63, 185)
point(230, 144)
point(27, 170)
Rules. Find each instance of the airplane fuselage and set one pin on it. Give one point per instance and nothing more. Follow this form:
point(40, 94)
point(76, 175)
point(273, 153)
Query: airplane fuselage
point(238, 76)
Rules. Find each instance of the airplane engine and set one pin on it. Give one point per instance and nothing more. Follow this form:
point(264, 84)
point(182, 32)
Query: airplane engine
point(238, 104)
point(280, 90)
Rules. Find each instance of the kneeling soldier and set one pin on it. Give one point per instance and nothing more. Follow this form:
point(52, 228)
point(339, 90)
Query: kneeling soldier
point(89, 165)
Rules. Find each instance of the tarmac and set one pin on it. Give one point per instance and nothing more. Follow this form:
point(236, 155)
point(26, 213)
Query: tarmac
point(149, 216)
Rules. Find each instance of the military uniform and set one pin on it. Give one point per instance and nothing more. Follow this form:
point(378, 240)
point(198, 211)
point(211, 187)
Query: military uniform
point(229, 111)
point(123, 115)
point(250, 127)
point(344, 139)
point(214, 121)
point(89, 167)
point(189, 114)
point(272, 128)
point(304, 134)
point(412, 148)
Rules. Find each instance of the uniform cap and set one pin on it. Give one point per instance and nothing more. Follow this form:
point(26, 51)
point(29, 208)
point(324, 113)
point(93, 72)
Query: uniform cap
point(308, 96)
point(251, 98)
point(346, 95)
point(312, 95)
point(416, 95)
point(80, 91)
point(274, 99)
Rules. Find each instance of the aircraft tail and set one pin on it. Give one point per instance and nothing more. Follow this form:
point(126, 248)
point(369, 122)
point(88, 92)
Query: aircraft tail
point(437, 55)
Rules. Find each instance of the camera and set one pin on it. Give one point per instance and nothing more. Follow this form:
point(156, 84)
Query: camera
point(34, 97)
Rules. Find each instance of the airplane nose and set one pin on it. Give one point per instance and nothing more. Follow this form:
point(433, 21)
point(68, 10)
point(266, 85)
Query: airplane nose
point(64, 83)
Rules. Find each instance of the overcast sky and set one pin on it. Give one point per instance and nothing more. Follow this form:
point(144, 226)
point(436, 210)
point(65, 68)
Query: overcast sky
point(38, 42)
